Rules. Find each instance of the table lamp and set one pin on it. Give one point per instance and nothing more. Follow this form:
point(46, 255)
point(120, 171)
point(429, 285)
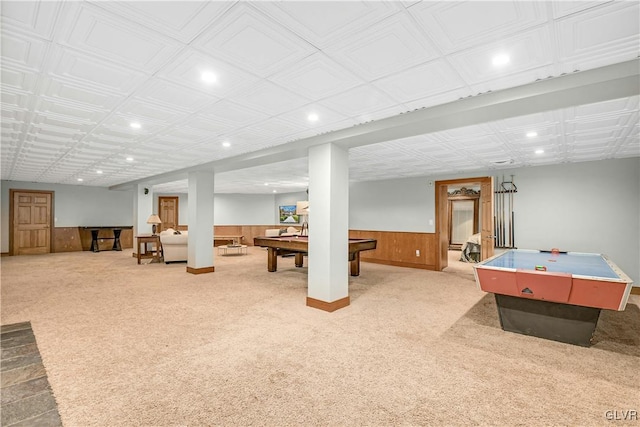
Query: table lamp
point(302, 208)
point(155, 220)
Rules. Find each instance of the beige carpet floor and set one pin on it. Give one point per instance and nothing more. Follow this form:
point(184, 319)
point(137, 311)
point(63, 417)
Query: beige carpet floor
point(150, 345)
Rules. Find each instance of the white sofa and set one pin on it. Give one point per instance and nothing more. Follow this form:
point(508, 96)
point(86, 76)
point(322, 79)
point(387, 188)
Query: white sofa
point(174, 246)
point(275, 232)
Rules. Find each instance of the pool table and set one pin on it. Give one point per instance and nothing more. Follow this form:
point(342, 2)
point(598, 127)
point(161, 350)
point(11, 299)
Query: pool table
point(299, 245)
point(551, 294)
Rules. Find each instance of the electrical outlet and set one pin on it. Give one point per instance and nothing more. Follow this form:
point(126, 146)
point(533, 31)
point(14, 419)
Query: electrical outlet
point(417, 252)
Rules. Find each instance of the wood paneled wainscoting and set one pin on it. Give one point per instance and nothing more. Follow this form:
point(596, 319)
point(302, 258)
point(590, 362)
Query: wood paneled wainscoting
point(399, 248)
point(71, 239)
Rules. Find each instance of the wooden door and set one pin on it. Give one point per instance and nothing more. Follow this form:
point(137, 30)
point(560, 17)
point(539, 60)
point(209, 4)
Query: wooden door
point(487, 226)
point(31, 221)
point(442, 225)
point(442, 217)
point(168, 212)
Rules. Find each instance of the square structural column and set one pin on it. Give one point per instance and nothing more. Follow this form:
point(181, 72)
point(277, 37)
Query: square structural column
point(328, 280)
point(142, 208)
point(200, 236)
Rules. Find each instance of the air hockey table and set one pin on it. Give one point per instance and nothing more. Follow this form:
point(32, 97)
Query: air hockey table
point(552, 294)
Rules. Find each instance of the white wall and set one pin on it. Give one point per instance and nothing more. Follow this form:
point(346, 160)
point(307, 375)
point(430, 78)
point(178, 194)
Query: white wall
point(243, 209)
point(393, 205)
point(584, 207)
point(74, 205)
point(239, 209)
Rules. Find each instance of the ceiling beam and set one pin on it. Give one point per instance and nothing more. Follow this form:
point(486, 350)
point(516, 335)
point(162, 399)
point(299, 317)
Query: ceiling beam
point(585, 87)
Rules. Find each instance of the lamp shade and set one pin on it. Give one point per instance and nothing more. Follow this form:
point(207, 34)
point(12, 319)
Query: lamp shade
point(302, 208)
point(154, 219)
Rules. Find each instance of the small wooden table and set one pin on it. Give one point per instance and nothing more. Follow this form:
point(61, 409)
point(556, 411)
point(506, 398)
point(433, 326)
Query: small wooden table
point(232, 249)
point(236, 239)
point(143, 242)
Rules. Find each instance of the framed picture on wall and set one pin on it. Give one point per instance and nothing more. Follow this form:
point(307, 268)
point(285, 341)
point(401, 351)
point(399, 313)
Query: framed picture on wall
point(288, 214)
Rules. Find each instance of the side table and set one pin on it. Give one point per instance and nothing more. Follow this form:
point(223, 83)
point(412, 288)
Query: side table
point(143, 242)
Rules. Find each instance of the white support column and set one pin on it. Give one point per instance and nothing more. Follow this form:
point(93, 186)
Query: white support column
point(200, 241)
point(328, 280)
point(142, 208)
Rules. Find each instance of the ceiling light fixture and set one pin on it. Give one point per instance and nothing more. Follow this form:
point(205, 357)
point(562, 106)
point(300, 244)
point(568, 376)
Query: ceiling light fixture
point(80, 179)
point(99, 172)
point(266, 183)
point(226, 144)
point(501, 162)
point(129, 159)
point(275, 191)
point(135, 125)
point(500, 60)
point(208, 77)
point(540, 151)
point(532, 134)
point(313, 117)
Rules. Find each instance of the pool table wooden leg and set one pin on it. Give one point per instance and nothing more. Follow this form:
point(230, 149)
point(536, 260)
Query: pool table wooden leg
point(355, 264)
point(299, 259)
point(272, 259)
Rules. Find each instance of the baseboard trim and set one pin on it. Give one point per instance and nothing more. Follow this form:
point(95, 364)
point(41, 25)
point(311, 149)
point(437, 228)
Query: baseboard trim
point(4, 253)
point(201, 270)
point(328, 306)
point(635, 290)
point(399, 263)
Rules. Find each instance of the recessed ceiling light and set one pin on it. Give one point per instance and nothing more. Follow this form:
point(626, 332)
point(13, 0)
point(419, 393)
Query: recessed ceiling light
point(532, 134)
point(129, 159)
point(99, 172)
point(226, 144)
point(80, 179)
point(266, 183)
point(540, 151)
point(275, 191)
point(135, 125)
point(208, 77)
point(500, 60)
point(313, 117)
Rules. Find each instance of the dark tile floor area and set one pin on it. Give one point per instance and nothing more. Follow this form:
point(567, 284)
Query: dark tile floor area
point(26, 397)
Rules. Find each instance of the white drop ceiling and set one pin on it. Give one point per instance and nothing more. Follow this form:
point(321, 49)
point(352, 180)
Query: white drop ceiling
point(75, 75)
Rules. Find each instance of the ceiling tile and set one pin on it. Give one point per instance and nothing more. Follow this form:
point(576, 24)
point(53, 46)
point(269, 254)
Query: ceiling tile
point(249, 40)
point(422, 81)
point(316, 77)
point(174, 96)
point(599, 36)
point(93, 31)
point(18, 79)
point(67, 91)
point(34, 17)
point(232, 114)
point(182, 20)
point(321, 22)
point(454, 26)
point(528, 51)
point(94, 73)
point(187, 68)
point(386, 47)
point(359, 101)
point(23, 51)
point(270, 98)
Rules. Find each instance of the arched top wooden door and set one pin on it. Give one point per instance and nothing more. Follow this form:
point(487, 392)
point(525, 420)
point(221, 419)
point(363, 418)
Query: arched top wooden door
point(442, 217)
